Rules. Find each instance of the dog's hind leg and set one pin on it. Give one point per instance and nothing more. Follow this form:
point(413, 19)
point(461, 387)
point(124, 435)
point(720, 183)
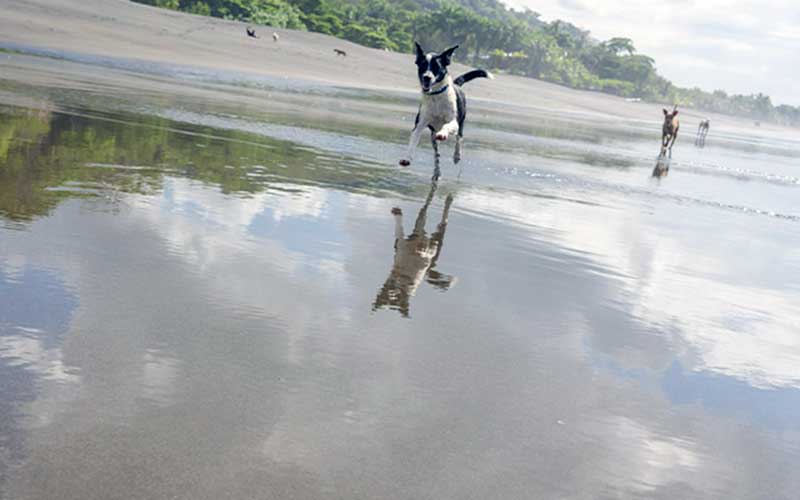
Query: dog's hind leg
point(459, 141)
point(435, 146)
point(436, 156)
point(461, 117)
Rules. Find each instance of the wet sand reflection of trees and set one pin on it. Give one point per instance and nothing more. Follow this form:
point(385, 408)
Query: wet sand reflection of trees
point(46, 157)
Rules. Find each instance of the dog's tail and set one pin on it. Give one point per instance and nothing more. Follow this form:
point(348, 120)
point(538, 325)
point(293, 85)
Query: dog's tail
point(471, 75)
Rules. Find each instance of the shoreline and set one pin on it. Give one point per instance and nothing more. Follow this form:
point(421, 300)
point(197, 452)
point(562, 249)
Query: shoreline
point(144, 39)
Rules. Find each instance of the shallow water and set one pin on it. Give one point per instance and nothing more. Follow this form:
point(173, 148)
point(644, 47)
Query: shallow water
point(206, 301)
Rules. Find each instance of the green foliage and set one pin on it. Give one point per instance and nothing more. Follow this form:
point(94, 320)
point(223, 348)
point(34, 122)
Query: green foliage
point(491, 35)
point(166, 4)
point(200, 8)
point(276, 13)
point(46, 157)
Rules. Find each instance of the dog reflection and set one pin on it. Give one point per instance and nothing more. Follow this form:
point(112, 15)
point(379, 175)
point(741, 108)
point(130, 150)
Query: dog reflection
point(662, 167)
point(415, 258)
point(702, 132)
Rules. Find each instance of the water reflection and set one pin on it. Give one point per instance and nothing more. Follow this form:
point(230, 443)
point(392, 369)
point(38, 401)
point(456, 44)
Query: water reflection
point(662, 167)
point(415, 257)
point(47, 157)
point(36, 308)
point(229, 303)
point(702, 132)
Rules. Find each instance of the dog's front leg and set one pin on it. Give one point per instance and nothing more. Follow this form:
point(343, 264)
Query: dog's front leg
point(416, 135)
point(448, 129)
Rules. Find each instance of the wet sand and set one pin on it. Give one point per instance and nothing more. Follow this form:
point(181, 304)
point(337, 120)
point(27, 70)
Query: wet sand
point(218, 284)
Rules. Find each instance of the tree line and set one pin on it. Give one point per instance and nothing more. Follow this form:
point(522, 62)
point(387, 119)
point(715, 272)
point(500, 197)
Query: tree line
point(492, 36)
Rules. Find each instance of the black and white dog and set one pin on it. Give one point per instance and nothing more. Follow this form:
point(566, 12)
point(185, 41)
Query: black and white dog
point(444, 106)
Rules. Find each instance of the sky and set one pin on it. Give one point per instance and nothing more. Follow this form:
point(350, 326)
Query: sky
point(740, 47)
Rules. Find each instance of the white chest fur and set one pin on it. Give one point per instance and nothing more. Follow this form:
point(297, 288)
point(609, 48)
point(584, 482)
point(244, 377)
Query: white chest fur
point(439, 113)
point(439, 109)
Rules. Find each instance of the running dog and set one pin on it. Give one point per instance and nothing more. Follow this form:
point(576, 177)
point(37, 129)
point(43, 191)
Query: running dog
point(444, 106)
point(669, 131)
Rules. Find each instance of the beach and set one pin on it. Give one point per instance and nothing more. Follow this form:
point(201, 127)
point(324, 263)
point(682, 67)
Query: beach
point(143, 35)
point(216, 282)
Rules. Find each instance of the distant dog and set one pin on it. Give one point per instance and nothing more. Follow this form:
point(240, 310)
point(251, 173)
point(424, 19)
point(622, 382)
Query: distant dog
point(444, 106)
point(702, 132)
point(702, 129)
point(415, 258)
point(275, 37)
point(251, 32)
point(669, 131)
point(340, 52)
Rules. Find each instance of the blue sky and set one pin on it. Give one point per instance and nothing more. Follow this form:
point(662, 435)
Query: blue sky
point(740, 47)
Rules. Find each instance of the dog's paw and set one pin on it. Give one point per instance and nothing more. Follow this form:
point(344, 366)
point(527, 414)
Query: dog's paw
point(405, 163)
point(456, 158)
point(397, 211)
point(441, 136)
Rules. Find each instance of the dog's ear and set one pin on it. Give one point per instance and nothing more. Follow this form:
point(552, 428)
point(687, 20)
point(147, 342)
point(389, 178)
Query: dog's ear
point(420, 52)
point(675, 113)
point(447, 55)
point(665, 111)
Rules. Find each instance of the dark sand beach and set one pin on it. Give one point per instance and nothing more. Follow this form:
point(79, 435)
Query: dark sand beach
point(202, 296)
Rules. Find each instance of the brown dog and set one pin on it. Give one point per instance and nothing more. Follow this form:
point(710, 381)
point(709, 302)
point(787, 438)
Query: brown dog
point(669, 132)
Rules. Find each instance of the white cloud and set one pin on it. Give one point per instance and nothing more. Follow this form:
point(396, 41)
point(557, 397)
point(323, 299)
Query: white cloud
point(761, 350)
point(730, 41)
point(655, 461)
point(160, 373)
point(57, 381)
point(28, 352)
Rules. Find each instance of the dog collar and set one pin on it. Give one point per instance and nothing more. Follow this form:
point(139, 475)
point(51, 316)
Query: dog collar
point(438, 91)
